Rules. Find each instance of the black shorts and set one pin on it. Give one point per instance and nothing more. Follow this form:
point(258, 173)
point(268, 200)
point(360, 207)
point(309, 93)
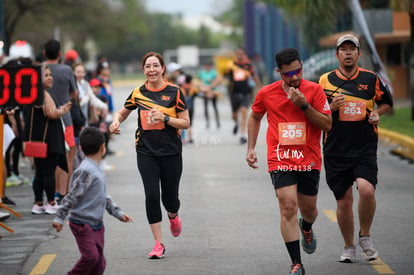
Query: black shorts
point(239, 100)
point(307, 181)
point(341, 173)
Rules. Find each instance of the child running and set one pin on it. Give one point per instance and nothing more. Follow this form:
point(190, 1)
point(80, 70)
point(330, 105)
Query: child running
point(85, 203)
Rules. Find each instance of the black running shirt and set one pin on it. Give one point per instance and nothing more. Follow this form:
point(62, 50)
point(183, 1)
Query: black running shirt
point(352, 136)
point(157, 138)
point(239, 74)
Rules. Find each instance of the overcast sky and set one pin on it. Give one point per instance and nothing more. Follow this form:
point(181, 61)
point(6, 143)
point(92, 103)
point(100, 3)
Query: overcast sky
point(188, 7)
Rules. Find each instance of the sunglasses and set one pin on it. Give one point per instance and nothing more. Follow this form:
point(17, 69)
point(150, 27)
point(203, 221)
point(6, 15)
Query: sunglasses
point(291, 73)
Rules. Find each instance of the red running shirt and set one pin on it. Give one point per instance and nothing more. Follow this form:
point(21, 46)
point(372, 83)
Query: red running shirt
point(293, 142)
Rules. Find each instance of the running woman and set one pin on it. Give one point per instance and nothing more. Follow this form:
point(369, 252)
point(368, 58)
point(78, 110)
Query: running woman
point(162, 111)
point(297, 111)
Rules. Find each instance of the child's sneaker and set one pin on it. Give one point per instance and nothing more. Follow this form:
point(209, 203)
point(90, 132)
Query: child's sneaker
point(175, 226)
point(158, 251)
point(38, 209)
point(51, 209)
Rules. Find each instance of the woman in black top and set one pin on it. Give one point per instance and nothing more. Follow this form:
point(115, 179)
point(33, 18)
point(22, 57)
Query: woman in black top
point(162, 111)
point(47, 115)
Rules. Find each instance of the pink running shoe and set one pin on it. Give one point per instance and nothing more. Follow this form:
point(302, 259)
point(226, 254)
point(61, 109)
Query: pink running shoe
point(51, 209)
point(175, 226)
point(38, 209)
point(158, 251)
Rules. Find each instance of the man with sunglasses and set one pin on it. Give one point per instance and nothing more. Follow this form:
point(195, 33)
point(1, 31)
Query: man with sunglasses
point(350, 148)
point(297, 112)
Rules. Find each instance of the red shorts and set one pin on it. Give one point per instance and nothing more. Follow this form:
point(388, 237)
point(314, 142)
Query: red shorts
point(70, 136)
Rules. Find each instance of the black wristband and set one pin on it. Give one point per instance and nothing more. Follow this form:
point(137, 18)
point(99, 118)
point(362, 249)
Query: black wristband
point(304, 106)
point(166, 118)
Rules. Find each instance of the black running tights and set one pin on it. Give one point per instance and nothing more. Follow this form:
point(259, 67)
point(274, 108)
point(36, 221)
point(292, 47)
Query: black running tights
point(164, 172)
point(44, 180)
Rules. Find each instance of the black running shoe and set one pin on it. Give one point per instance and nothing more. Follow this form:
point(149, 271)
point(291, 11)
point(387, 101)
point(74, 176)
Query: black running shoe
point(5, 200)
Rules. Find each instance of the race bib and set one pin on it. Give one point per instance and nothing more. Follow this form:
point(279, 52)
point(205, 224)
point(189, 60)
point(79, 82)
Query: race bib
point(292, 133)
point(353, 111)
point(239, 75)
point(149, 123)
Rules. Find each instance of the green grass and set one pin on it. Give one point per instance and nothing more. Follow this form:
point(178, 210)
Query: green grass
point(399, 122)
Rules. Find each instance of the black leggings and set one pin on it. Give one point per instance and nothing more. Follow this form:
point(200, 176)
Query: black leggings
point(167, 171)
point(44, 179)
point(14, 152)
point(216, 113)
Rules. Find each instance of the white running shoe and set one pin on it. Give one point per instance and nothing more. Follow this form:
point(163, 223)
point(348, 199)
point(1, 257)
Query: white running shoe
point(368, 249)
point(348, 256)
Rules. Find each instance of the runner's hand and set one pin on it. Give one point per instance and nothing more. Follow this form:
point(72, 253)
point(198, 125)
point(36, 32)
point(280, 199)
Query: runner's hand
point(114, 127)
point(251, 159)
point(374, 118)
point(296, 97)
point(337, 102)
point(157, 115)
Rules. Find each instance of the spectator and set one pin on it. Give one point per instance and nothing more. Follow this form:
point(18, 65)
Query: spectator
point(63, 90)
point(86, 203)
point(210, 80)
point(40, 120)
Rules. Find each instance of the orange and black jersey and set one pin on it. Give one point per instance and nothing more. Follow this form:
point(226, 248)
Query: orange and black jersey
point(157, 138)
point(352, 136)
point(239, 74)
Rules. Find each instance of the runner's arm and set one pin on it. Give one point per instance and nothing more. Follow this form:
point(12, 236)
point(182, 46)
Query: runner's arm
point(253, 127)
point(119, 117)
point(320, 120)
point(182, 121)
point(374, 116)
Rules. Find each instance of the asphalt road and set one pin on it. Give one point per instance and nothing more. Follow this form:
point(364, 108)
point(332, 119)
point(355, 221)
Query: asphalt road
point(229, 212)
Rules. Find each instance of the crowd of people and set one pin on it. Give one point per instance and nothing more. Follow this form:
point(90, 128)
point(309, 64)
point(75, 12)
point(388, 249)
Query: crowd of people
point(345, 106)
point(71, 102)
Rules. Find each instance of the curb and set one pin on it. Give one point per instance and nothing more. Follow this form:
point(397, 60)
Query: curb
point(405, 143)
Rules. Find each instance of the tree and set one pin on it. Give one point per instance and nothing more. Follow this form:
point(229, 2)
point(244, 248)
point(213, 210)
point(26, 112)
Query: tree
point(122, 30)
point(313, 9)
point(116, 29)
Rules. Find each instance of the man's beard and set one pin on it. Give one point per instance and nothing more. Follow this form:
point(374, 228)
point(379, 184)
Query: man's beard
point(349, 67)
point(294, 86)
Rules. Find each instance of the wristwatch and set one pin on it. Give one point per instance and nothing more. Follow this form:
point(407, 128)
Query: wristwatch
point(166, 118)
point(304, 106)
